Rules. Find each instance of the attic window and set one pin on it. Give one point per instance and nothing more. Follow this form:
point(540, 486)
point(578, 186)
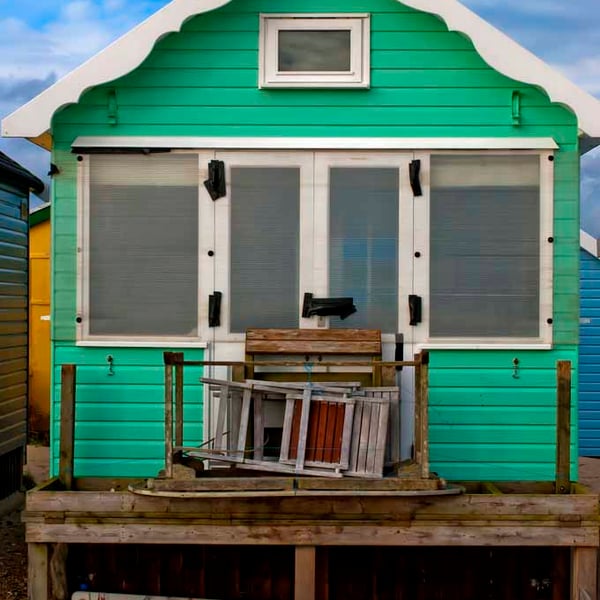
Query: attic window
point(320, 51)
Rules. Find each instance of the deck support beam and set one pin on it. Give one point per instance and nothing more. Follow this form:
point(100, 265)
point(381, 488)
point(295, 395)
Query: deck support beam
point(305, 573)
point(37, 572)
point(584, 574)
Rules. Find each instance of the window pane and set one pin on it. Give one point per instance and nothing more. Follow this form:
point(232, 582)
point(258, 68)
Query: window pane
point(485, 246)
point(363, 245)
point(144, 245)
point(265, 226)
point(314, 50)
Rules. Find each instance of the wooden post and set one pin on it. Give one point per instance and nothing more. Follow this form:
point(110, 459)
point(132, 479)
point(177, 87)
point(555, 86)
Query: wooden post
point(37, 572)
point(417, 449)
point(238, 372)
point(584, 573)
point(59, 585)
point(67, 425)
point(168, 415)
point(563, 428)
point(178, 359)
point(305, 573)
point(424, 409)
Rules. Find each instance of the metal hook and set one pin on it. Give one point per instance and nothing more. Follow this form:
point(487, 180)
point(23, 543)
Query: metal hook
point(516, 374)
point(110, 360)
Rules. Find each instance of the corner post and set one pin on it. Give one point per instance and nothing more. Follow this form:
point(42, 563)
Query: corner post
point(67, 425)
point(178, 359)
point(169, 361)
point(424, 409)
point(563, 428)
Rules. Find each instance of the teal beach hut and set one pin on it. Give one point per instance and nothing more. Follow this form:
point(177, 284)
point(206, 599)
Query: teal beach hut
point(405, 154)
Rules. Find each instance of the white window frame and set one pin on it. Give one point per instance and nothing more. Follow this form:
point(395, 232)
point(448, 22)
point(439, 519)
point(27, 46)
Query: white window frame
point(84, 338)
point(214, 216)
point(357, 77)
point(546, 256)
point(300, 160)
point(324, 162)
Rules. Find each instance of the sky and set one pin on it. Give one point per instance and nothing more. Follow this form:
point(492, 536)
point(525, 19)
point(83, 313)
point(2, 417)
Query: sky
point(42, 40)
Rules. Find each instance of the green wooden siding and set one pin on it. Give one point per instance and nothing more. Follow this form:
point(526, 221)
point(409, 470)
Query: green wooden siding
point(426, 82)
point(120, 417)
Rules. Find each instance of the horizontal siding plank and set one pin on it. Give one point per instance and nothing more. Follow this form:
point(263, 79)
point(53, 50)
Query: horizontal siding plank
point(13, 366)
point(499, 471)
point(85, 356)
point(441, 359)
point(242, 97)
point(493, 434)
point(107, 432)
point(12, 249)
point(8, 420)
point(13, 406)
point(314, 115)
point(135, 467)
point(127, 393)
point(13, 341)
point(484, 415)
point(111, 411)
point(486, 452)
point(497, 397)
point(493, 378)
point(144, 375)
point(9, 393)
point(117, 449)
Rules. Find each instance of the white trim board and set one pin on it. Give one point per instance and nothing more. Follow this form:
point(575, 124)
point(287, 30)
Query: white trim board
point(350, 143)
point(589, 243)
point(124, 55)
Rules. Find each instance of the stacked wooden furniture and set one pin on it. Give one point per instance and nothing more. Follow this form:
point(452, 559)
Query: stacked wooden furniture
point(330, 430)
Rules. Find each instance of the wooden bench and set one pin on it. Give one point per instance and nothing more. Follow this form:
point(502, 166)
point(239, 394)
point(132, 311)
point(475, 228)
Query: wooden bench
point(327, 355)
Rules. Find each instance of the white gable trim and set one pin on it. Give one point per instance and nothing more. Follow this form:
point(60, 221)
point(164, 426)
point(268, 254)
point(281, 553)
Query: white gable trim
point(589, 243)
point(123, 56)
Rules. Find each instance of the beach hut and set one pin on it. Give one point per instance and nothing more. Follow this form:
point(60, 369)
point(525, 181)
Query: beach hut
point(589, 348)
point(15, 185)
point(399, 173)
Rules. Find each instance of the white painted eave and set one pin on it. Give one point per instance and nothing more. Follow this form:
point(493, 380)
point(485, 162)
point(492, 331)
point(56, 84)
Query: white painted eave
point(589, 243)
point(84, 143)
point(127, 53)
point(119, 58)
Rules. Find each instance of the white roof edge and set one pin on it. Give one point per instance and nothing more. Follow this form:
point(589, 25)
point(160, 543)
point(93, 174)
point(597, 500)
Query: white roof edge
point(119, 58)
point(124, 55)
point(589, 243)
point(513, 60)
point(312, 143)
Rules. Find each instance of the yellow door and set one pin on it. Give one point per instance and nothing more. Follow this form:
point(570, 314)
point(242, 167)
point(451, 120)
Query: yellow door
point(39, 331)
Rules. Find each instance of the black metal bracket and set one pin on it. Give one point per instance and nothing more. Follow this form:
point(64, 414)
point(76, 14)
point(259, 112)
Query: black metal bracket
point(414, 171)
point(327, 307)
point(215, 184)
point(399, 354)
point(415, 306)
point(214, 309)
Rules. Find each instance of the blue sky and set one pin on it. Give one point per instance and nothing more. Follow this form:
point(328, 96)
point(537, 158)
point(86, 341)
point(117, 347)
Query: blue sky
point(44, 39)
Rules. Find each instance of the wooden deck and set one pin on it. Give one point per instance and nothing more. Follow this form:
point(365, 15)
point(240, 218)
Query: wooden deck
point(309, 519)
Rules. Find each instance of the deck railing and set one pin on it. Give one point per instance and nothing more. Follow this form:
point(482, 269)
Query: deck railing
point(383, 374)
